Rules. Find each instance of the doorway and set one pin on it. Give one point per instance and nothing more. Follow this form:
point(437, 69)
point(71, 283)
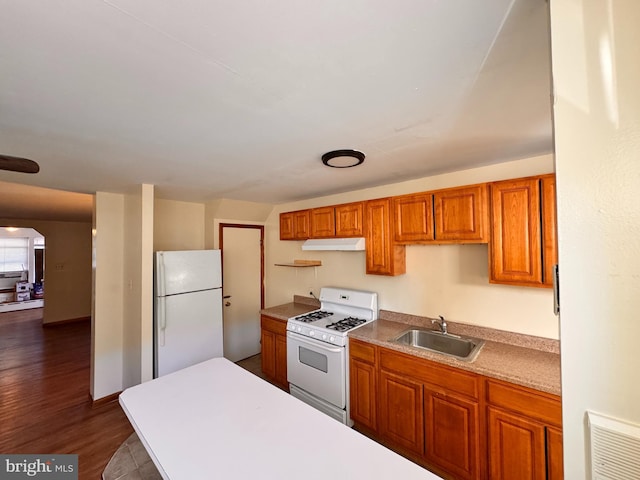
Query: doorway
point(242, 248)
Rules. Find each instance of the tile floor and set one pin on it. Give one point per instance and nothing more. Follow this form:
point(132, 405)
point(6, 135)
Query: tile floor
point(132, 462)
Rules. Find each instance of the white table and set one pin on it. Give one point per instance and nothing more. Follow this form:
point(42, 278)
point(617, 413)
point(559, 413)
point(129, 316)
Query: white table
point(216, 420)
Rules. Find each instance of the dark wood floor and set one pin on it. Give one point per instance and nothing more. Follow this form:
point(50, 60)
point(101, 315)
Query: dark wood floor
point(45, 405)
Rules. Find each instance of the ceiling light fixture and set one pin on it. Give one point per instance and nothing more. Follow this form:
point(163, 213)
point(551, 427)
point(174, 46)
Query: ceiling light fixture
point(343, 158)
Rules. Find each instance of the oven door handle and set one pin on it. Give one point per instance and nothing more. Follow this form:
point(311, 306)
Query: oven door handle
point(314, 343)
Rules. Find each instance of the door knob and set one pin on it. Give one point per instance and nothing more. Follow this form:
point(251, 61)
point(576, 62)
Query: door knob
point(226, 304)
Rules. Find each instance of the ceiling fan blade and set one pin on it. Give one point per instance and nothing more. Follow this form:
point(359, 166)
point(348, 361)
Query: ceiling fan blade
point(17, 164)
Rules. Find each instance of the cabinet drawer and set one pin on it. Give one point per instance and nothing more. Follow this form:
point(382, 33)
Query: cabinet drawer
point(362, 351)
point(453, 380)
point(274, 325)
point(538, 405)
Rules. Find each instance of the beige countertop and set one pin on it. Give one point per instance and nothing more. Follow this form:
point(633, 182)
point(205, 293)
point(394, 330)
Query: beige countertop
point(532, 362)
point(529, 367)
point(285, 311)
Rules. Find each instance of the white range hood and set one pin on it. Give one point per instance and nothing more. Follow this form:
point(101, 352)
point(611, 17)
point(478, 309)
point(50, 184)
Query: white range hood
point(348, 244)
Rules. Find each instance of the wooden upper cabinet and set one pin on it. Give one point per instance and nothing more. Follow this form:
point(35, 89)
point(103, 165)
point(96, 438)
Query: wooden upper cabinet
point(294, 225)
point(383, 255)
point(350, 220)
point(413, 218)
point(462, 214)
point(549, 228)
point(337, 221)
point(516, 244)
point(323, 223)
point(453, 215)
point(523, 246)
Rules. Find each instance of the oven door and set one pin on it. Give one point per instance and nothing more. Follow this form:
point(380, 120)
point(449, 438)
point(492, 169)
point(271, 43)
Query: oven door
point(318, 368)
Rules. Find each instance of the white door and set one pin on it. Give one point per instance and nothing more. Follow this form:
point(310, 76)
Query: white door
point(242, 289)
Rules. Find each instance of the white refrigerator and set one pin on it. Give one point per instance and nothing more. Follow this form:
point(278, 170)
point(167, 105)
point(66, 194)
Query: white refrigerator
point(187, 309)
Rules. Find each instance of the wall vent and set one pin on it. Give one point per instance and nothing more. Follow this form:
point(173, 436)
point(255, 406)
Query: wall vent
point(615, 448)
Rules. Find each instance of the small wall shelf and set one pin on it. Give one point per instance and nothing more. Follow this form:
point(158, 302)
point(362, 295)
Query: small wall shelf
point(301, 263)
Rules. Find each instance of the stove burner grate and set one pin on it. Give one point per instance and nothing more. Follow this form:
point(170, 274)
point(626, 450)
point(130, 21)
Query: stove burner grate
point(346, 324)
point(313, 316)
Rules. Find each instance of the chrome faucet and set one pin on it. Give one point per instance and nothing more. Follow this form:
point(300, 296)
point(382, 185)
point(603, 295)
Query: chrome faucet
point(442, 323)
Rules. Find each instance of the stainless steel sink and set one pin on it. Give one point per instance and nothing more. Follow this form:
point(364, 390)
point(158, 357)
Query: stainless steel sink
point(462, 348)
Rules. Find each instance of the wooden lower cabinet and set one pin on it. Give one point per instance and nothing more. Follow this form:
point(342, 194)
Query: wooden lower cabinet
point(363, 385)
point(273, 338)
point(452, 433)
point(555, 466)
point(516, 447)
point(430, 412)
point(454, 422)
point(401, 412)
point(524, 433)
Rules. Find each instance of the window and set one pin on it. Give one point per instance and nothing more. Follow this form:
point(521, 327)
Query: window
point(14, 254)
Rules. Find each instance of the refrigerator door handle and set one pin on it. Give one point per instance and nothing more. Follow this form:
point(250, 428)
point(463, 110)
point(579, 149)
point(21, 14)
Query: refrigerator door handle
point(160, 279)
point(162, 319)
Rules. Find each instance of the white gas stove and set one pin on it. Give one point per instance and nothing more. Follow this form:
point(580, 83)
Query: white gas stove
point(317, 366)
point(341, 310)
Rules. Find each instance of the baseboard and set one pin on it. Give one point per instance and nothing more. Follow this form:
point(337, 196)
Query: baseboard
point(23, 305)
point(104, 400)
point(63, 322)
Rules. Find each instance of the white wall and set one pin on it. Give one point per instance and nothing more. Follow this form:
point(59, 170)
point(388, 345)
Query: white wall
point(596, 70)
point(232, 211)
point(107, 312)
point(138, 287)
point(122, 336)
point(178, 225)
point(449, 280)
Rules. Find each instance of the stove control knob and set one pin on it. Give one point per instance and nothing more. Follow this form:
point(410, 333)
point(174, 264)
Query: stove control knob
point(332, 339)
point(312, 333)
point(324, 337)
point(299, 329)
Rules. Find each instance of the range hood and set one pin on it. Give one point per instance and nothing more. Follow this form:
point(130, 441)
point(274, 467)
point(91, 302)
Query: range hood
point(349, 244)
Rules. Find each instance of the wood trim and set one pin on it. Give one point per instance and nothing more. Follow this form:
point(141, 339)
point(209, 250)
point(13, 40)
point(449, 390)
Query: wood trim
point(221, 227)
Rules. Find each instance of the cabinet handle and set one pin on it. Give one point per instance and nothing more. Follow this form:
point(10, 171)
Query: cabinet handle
point(556, 290)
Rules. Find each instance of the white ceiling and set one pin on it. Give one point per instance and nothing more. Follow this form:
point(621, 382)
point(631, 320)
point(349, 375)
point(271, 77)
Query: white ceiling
point(239, 99)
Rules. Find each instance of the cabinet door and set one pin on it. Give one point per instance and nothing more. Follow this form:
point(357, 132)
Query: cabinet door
point(462, 214)
point(452, 439)
point(516, 255)
point(401, 412)
point(281, 361)
point(301, 224)
point(516, 447)
point(350, 220)
point(322, 222)
point(383, 256)
point(294, 225)
point(268, 355)
point(549, 228)
point(363, 388)
point(555, 467)
point(413, 218)
point(286, 226)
